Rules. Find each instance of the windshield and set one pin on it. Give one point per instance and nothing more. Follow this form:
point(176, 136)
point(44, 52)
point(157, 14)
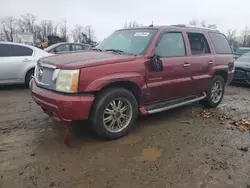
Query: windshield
point(242, 51)
point(133, 41)
point(244, 58)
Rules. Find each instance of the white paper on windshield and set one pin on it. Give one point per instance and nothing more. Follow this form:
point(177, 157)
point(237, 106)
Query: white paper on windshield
point(141, 34)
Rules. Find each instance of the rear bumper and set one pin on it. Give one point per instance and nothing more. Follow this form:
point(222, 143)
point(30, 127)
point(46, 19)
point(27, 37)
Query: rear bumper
point(62, 108)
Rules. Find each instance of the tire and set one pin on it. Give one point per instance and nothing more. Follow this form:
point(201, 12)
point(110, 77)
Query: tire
point(28, 76)
point(208, 102)
point(102, 105)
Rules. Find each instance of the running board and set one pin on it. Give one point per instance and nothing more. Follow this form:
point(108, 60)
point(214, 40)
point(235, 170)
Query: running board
point(162, 106)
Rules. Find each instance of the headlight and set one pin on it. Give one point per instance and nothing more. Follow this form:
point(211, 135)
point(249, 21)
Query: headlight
point(67, 81)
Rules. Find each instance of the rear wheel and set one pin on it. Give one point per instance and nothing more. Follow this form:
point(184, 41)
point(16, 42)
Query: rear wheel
point(29, 76)
point(114, 113)
point(215, 92)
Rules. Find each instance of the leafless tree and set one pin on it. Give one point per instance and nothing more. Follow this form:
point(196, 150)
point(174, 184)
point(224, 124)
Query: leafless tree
point(88, 30)
point(27, 23)
point(193, 22)
point(9, 28)
point(47, 28)
point(131, 24)
point(64, 30)
point(203, 23)
point(77, 33)
point(231, 36)
point(245, 37)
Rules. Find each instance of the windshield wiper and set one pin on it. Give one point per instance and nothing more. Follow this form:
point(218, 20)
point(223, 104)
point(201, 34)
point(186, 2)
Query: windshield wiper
point(115, 50)
point(97, 49)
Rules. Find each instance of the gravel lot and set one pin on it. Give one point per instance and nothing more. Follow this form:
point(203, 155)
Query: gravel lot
point(187, 147)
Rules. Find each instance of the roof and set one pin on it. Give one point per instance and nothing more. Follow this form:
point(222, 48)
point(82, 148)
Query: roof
point(179, 26)
point(18, 44)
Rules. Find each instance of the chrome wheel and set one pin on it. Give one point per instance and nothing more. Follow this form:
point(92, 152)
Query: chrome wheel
point(117, 115)
point(217, 91)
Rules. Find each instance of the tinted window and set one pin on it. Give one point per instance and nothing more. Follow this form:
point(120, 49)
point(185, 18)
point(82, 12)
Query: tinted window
point(8, 50)
point(220, 43)
point(171, 45)
point(198, 44)
point(63, 48)
point(76, 47)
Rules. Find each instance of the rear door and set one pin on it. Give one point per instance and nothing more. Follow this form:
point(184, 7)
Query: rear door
point(201, 61)
point(13, 61)
point(174, 81)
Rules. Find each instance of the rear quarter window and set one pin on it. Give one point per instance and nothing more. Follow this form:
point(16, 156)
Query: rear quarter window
point(10, 50)
point(220, 43)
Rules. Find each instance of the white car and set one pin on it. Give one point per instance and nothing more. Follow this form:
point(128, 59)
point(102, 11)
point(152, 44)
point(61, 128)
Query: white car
point(18, 61)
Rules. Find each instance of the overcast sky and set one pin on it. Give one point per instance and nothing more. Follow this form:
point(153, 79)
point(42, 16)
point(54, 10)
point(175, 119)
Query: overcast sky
point(107, 15)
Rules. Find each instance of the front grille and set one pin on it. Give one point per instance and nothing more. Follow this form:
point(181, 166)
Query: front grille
point(43, 75)
point(241, 74)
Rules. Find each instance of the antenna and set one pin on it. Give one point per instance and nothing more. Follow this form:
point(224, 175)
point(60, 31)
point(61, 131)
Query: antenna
point(152, 25)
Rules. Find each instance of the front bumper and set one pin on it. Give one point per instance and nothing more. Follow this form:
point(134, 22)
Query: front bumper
point(241, 75)
point(62, 108)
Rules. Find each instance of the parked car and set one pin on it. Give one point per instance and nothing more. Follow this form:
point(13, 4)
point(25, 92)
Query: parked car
point(240, 51)
point(242, 69)
point(134, 71)
point(65, 47)
point(17, 62)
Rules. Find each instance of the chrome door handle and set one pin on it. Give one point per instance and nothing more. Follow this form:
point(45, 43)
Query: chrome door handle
point(186, 64)
point(210, 62)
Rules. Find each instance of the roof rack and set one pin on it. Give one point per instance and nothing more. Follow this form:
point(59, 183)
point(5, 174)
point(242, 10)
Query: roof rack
point(196, 27)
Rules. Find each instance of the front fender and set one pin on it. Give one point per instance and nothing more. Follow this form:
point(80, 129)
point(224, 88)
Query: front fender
point(101, 82)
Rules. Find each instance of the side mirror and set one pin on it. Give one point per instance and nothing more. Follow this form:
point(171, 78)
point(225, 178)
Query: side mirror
point(55, 51)
point(157, 65)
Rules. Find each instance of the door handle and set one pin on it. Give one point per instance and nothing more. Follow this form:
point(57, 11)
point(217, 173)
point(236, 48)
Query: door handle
point(210, 62)
point(26, 60)
point(186, 64)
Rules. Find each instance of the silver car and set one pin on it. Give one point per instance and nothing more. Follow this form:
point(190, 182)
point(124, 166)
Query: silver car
point(17, 62)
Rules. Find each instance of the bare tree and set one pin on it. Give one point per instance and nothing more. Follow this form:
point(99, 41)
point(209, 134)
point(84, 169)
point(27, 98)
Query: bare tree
point(245, 37)
point(231, 36)
point(77, 33)
point(9, 28)
point(203, 23)
point(64, 30)
point(47, 28)
point(89, 32)
point(131, 24)
point(193, 22)
point(27, 23)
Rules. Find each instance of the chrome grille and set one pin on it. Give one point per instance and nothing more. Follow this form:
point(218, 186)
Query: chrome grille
point(43, 75)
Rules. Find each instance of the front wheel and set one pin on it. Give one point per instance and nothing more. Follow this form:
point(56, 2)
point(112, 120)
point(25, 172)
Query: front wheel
point(29, 76)
point(215, 92)
point(114, 113)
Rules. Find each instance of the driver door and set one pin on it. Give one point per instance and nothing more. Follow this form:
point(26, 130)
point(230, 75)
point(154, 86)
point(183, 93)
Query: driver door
point(175, 79)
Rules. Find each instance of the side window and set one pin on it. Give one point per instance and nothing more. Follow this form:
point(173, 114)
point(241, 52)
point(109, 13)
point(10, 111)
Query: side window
point(76, 47)
point(10, 50)
point(85, 47)
point(220, 43)
point(198, 44)
point(171, 45)
point(63, 48)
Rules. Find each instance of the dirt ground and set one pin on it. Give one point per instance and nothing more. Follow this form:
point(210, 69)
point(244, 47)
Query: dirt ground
point(187, 147)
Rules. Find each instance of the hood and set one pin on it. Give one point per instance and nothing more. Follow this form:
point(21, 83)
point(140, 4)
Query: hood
point(85, 59)
point(242, 64)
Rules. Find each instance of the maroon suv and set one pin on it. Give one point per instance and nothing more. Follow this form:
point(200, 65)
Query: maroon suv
point(134, 71)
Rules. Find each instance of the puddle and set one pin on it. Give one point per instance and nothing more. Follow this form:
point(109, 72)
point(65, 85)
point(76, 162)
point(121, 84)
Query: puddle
point(131, 139)
point(149, 154)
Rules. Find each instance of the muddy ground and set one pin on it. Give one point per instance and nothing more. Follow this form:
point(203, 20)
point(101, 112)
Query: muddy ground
point(185, 147)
